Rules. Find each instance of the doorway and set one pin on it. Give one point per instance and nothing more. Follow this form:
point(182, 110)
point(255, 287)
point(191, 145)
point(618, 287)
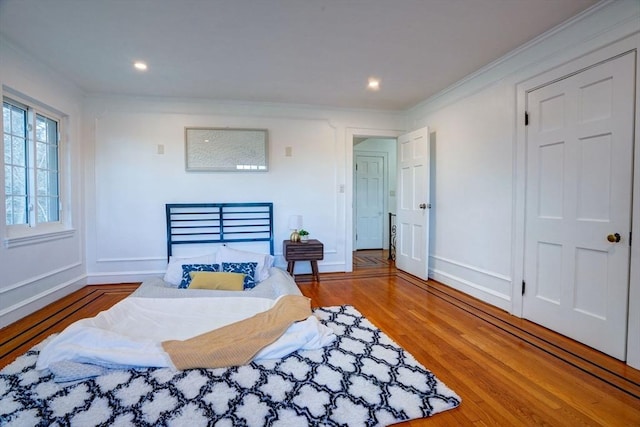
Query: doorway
point(374, 159)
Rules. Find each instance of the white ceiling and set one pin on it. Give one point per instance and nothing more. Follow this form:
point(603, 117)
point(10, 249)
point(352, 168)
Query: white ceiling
point(317, 52)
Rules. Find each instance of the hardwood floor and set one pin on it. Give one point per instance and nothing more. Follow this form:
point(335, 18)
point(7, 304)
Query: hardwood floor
point(20, 336)
point(507, 371)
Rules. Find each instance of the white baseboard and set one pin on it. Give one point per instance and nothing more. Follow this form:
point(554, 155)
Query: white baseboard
point(36, 302)
point(492, 288)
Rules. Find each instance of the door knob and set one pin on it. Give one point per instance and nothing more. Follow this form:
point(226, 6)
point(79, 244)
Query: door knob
point(613, 238)
point(422, 206)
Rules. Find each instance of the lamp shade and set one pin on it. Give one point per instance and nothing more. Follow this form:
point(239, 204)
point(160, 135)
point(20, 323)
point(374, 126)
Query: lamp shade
point(295, 222)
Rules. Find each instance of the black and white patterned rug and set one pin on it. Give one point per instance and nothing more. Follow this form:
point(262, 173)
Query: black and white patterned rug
point(362, 379)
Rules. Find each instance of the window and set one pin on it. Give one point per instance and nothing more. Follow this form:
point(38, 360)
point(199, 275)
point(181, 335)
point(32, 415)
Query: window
point(31, 166)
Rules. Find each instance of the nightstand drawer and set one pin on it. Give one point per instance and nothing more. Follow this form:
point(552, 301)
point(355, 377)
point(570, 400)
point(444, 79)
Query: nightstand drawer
point(304, 251)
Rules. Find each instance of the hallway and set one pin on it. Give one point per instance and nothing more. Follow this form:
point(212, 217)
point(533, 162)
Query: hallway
point(371, 258)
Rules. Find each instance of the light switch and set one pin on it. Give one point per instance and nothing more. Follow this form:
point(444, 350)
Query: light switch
point(160, 149)
point(288, 151)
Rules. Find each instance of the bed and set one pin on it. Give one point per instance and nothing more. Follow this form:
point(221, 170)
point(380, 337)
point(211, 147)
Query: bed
point(175, 317)
point(253, 356)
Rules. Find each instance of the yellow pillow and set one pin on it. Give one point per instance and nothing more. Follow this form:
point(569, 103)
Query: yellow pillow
point(217, 280)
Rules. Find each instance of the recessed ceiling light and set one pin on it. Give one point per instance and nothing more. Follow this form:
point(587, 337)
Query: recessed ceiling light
point(139, 65)
point(374, 84)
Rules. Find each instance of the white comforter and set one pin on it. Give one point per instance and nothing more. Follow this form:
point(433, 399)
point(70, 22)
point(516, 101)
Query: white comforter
point(129, 334)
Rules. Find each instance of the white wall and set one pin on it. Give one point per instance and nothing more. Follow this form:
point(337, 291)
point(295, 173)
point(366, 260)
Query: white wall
point(35, 274)
point(474, 244)
point(128, 182)
point(471, 195)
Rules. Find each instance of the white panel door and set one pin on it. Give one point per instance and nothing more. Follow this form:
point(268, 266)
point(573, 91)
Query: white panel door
point(369, 202)
point(412, 220)
point(579, 182)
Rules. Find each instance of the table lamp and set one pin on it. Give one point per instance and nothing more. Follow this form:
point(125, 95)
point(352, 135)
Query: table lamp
point(295, 224)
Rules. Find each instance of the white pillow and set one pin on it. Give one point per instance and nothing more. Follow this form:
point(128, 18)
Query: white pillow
point(174, 269)
point(265, 261)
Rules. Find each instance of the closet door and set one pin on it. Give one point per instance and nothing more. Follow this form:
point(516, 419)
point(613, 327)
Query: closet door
point(578, 204)
point(370, 192)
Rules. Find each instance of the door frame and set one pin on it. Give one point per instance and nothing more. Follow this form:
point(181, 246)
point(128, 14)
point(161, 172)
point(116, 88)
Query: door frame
point(385, 191)
point(519, 187)
point(350, 134)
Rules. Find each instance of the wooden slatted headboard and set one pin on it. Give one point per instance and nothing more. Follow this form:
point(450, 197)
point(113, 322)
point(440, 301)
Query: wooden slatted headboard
point(196, 223)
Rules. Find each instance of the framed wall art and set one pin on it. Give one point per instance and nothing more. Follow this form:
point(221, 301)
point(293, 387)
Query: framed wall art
point(226, 150)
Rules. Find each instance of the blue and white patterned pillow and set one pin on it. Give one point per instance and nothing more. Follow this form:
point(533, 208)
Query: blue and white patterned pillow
point(248, 268)
point(188, 268)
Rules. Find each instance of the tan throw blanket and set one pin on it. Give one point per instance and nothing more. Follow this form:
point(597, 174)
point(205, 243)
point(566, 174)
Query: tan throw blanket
point(238, 343)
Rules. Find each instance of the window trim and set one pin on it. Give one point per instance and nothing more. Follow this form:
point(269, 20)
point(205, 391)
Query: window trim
point(29, 239)
point(32, 233)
